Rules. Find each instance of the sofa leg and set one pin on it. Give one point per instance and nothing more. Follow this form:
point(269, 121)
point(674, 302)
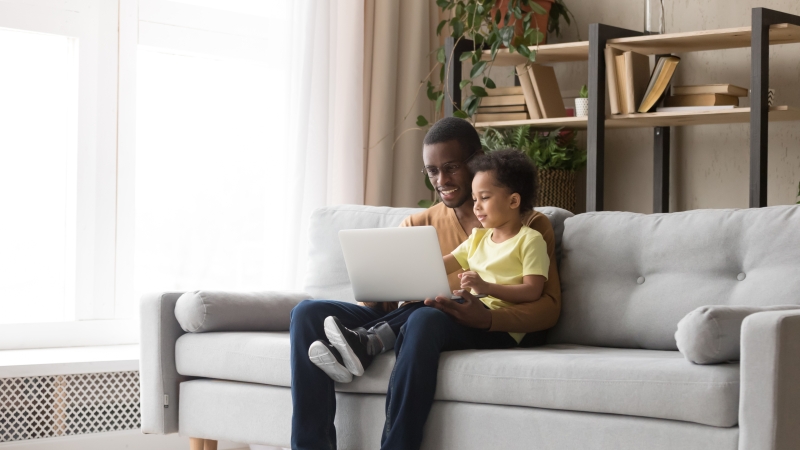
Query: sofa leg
point(196, 444)
point(210, 445)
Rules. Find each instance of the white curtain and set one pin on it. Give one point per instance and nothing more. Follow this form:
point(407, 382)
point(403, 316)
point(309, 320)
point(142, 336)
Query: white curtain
point(325, 113)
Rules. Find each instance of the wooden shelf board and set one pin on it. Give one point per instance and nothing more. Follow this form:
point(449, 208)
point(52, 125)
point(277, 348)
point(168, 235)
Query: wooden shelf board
point(663, 119)
point(553, 53)
point(698, 41)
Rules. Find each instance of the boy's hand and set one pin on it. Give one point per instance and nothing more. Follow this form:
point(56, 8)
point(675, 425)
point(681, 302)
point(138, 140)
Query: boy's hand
point(471, 280)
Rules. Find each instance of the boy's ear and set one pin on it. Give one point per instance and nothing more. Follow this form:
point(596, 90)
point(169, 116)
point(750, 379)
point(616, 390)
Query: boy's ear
point(515, 200)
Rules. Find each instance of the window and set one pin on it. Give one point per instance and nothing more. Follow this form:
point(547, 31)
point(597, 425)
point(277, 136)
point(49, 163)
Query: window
point(211, 174)
point(38, 162)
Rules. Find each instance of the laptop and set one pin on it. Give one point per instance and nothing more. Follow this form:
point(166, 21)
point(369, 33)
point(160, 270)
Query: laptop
point(395, 264)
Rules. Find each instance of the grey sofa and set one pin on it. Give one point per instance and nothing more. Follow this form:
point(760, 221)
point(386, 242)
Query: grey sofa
point(610, 376)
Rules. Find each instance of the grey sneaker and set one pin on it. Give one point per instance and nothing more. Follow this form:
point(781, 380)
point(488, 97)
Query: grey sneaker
point(327, 358)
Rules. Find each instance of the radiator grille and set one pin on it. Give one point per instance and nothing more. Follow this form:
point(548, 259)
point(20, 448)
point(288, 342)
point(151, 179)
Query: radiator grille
point(67, 405)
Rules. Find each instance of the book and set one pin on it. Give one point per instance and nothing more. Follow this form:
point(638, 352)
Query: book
point(726, 89)
point(622, 83)
point(637, 74)
point(701, 100)
point(548, 94)
point(692, 108)
point(659, 81)
point(500, 117)
point(502, 109)
point(528, 92)
point(611, 77)
point(503, 100)
point(513, 90)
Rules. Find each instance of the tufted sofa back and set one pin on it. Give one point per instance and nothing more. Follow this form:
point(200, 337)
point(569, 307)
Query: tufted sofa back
point(326, 274)
point(627, 279)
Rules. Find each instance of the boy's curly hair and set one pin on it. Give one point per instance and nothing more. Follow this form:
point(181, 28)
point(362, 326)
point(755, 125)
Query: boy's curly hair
point(512, 170)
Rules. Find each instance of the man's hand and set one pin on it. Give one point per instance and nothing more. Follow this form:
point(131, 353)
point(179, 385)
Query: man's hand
point(471, 313)
point(471, 280)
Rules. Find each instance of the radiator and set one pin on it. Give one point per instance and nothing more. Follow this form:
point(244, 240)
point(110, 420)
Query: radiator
point(68, 405)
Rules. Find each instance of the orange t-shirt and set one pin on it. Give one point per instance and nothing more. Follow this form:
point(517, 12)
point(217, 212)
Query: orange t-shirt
point(519, 318)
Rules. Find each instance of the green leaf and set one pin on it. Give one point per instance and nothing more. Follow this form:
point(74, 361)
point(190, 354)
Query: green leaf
point(458, 28)
point(459, 9)
point(489, 83)
point(465, 56)
point(430, 92)
point(495, 48)
point(536, 8)
point(439, 100)
point(421, 121)
point(425, 203)
point(524, 51)
point(442, 3)
point(460, 114)
point(440, 55)
point(479, 91)
point(518, 13)
point(477, 69)
point(497, 17)
point(464, 83)
point(584, 91)
point(506, 34)
point(473, 105)
point(439, 28)
point(532, 56)
point(441, 73)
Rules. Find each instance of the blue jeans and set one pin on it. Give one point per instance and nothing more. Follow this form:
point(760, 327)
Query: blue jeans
point(425, 333)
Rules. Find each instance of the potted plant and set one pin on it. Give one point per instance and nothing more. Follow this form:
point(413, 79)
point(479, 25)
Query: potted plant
point(582, 102)
point(555, 153)
point(514, 24)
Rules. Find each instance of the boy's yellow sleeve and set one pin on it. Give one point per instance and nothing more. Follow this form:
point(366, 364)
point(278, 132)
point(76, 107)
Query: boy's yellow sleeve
point(534, 256)
point(461, 253)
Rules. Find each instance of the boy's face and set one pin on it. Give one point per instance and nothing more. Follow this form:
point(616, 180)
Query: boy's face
point(494, 205)
point(446, 164)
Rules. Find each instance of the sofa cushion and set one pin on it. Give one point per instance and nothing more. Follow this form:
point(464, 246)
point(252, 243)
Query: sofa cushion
point(642, 383)
point(202, 311)
point(627, 279)
point(711, 334)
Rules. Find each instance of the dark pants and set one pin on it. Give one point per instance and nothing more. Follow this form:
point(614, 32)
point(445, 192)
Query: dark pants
point(425, 334)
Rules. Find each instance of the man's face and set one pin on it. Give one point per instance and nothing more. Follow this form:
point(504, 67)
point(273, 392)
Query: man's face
point(452, 179)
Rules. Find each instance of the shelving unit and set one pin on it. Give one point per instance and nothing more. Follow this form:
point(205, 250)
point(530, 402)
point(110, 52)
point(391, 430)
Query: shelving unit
point(768, 28)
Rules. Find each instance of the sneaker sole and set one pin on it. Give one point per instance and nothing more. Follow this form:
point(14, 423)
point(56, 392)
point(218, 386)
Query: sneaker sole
point(319, 354)
point(336, 339)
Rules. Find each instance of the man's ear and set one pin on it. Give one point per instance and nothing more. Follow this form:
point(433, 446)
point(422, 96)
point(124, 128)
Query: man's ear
point(515, 200)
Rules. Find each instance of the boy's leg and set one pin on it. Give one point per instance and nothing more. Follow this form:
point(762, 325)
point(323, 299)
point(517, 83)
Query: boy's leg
point(412, 385)
point(312, 424)
point(388, 327)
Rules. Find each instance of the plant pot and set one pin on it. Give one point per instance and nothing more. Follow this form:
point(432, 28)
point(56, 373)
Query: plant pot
point(557, 188)
point(540, 20)
point(581, 107)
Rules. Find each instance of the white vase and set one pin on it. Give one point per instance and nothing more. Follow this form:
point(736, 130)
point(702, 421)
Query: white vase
point(581, 107)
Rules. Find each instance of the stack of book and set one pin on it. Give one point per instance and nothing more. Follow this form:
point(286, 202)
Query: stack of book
point(537, 97)
point(632, 87)
point(703, 97)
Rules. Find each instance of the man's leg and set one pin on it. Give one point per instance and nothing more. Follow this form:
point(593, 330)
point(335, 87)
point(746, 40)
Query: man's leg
point(313, 395)
point(426, 334)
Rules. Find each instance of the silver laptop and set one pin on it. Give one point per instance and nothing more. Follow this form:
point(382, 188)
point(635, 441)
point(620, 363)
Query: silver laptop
point(394, 264)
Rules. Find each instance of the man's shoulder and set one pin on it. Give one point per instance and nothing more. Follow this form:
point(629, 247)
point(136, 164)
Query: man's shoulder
point(538, 221)
point(430, 217)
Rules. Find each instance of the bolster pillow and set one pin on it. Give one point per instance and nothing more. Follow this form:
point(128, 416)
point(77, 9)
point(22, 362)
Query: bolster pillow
point(201, 311)
point(712, 334)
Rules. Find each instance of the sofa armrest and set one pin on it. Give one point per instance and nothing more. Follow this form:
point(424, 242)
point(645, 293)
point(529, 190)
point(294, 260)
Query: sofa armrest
point(158, 379)
point(769, 407)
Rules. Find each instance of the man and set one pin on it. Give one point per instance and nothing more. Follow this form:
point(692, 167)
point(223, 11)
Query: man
point(443, 326)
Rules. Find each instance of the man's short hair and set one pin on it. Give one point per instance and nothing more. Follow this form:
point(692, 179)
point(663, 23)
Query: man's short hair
point(513, 170)
point(454, 129)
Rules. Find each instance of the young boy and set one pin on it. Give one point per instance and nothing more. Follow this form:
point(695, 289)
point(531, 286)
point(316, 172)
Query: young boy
point(504, 260)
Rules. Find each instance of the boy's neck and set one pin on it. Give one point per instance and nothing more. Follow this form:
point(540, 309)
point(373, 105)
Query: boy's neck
point(507, 230)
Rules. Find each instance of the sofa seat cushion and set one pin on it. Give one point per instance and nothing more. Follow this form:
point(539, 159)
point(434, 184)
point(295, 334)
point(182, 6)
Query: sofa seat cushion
point(645, 383)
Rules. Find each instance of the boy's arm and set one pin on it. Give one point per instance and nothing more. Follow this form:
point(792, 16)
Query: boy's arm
point(529, 291)
point(451, 264)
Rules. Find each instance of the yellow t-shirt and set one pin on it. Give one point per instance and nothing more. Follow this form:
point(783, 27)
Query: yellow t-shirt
point(504, 263)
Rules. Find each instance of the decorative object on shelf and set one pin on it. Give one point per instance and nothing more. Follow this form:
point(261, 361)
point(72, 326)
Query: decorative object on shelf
point(515, 24)
point(555, 153)
point(659, 82)
point(654, 22)
point(582, 102)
